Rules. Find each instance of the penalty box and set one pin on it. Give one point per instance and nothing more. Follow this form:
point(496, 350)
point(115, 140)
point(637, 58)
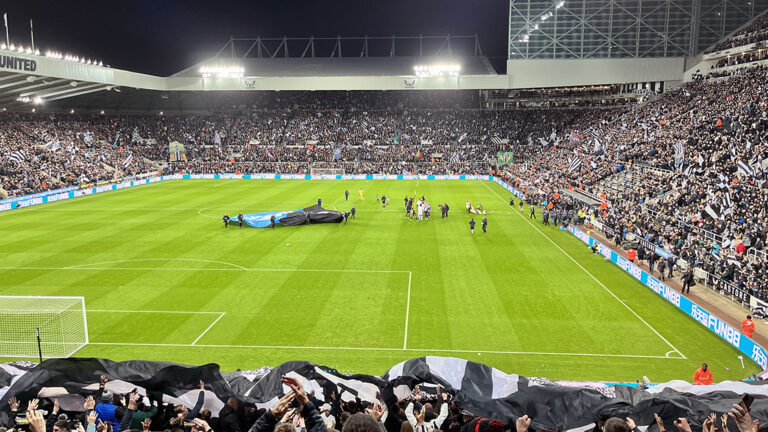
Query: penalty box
point(277, 307)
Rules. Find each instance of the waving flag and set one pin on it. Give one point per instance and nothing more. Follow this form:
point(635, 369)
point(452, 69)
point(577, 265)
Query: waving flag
point(745, 168)
point(679, 151)
point(574, 163)
point(18, 156)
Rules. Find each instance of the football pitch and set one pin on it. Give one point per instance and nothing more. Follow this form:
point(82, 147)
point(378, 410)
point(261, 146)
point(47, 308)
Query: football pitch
point(163, 280)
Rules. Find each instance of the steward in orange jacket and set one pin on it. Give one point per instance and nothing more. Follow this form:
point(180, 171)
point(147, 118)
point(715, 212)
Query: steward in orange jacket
point(748, 326)
point(703, 375)
point(631, 255)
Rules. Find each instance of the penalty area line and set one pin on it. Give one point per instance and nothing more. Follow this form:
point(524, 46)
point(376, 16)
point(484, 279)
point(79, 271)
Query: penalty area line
point(209, 327)
point(152, 311)
point(591, 276)
point(407, 312)
point(416, 350)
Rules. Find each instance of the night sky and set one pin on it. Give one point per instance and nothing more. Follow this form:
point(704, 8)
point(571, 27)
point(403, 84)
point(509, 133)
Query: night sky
point(162, 37)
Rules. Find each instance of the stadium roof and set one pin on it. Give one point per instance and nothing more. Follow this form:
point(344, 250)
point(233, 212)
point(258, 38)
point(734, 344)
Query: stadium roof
point(19, 88)
point(345, 66)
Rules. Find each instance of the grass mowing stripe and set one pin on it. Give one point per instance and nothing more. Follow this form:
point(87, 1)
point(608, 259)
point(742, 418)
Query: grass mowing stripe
point(593, 277)
point(481, 298)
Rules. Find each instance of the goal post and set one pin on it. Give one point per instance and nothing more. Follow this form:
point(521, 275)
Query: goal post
point(42, 327)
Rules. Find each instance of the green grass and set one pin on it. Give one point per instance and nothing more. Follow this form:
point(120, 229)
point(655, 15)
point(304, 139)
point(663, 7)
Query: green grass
point(339, 295)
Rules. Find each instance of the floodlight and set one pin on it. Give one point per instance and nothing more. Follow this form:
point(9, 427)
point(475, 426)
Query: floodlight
point(222, 71)
point(437, 70)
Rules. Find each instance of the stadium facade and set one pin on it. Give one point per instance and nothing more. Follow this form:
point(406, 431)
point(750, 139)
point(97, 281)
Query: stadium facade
point(551, 44)
point(641, 46)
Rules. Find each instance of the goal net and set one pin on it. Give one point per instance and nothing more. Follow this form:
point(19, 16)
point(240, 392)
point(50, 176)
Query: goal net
point(59, 321)
point(327, 171)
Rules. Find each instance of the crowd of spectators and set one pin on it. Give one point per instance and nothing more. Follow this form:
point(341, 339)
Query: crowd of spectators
point(754, 32)
point(297, 410)
point(49, 151)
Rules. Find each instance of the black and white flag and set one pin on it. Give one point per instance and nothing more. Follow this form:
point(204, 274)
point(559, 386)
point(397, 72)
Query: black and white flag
point(128, 160)
point(54, 145)
point(727, 204)
point(574, 163)
point(19, 156)
point(744, 168)
point(679, 151)
point(598, 146)
point(713, 210)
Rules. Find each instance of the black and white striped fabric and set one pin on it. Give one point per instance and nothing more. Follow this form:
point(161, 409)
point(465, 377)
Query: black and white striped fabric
point(679, 151)
point(744, 168)
point(19, 157)
point(574, 163)
point(128, 160)
point(480, 389)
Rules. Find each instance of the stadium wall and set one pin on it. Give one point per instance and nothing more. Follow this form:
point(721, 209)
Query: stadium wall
point(577, 72)
point(719, 327)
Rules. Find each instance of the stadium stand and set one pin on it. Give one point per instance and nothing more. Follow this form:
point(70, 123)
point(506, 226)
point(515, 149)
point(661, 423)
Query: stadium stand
point(419, 394)
point(680, 177)
point(755, 31)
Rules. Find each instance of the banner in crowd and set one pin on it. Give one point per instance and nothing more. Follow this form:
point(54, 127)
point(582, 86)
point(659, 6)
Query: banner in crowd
point(481, 390)
point(505, 157)
point(728, 288)
point(705, 318)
